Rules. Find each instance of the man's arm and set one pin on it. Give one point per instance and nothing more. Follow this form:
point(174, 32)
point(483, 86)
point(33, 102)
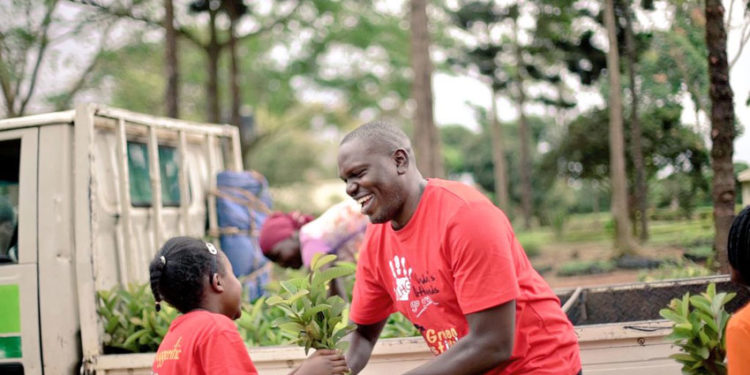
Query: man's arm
point(362, 341)
point(488, 344)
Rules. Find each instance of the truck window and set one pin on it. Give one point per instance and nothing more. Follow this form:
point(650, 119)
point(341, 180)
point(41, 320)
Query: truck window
point(140, 184)
point(10, 161)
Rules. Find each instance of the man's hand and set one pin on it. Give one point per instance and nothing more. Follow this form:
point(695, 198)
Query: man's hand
point(323, 362)
point(362, 341)
point(488, 344)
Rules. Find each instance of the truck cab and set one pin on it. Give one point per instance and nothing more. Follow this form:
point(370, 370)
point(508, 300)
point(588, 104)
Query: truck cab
point(87, 196)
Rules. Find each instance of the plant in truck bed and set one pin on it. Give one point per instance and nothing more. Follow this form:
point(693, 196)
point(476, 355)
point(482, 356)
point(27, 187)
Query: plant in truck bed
point(312, 318)
point(700, 322)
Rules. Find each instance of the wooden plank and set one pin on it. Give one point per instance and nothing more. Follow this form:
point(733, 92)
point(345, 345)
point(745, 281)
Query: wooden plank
point(155, 177)
point(65, 117)
point(166, 123)
point(125, 229)
point(184, 186)
point(82, 192)
point(236, 150)
point(213, 222)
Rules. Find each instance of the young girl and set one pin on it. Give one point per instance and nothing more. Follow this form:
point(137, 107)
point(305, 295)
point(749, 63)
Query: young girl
point(738, 328)
point(197, 279)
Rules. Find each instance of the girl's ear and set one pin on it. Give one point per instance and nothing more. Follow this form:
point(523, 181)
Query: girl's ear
point(216, 283)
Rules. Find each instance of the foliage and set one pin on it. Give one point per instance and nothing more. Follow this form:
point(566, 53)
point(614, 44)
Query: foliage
point(35, 39)
point(679, 269)
point(130, 320)
point(583, 154)
point(579, 267)
point(131, 323)
point(398, 325)
point(256, 324)
point(314, 320)
point(699, 326)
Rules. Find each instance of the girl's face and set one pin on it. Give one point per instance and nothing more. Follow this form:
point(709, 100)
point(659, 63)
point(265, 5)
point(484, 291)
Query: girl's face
point(231, 298)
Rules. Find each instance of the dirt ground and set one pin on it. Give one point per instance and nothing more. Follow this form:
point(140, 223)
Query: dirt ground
point(552, 256)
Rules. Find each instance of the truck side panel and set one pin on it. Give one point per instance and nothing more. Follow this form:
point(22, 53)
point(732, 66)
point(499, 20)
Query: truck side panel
point(58, 300)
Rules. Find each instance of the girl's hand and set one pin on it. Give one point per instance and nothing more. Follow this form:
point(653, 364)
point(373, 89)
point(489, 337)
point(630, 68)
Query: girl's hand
point(324, 362)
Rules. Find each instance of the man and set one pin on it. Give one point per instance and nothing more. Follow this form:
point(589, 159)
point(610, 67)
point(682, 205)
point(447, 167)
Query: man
point(440, 253)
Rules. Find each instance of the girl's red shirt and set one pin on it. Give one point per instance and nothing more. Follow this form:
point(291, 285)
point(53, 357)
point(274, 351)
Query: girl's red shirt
point(202, 343)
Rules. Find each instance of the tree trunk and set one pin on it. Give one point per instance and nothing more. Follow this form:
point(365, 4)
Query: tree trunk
point(636, 150)
point(523, 135)
point(498, 157)
point(172, 94)
point(426, 136)
point(234, 79)
point(623, 240)
point(213, 50)
point(722, 128)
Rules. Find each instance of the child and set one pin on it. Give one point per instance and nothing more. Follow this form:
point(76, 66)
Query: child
point(197, 279)
point(738, 328)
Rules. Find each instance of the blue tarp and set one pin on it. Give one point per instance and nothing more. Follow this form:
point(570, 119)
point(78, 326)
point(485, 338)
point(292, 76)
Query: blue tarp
point(243, 204)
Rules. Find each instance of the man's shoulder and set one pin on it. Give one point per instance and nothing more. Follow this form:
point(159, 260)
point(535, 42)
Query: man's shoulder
point(453, 197)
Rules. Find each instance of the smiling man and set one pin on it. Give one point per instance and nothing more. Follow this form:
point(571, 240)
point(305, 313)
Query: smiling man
point(441, 254)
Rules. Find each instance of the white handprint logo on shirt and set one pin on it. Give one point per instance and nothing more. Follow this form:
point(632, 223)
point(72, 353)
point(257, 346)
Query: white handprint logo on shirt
point(402, 277)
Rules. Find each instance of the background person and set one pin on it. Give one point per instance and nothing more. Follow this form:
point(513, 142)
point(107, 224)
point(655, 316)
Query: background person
point(291, 239)
point(443, 255)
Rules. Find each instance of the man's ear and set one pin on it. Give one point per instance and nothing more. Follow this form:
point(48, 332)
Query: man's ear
point(217, 283)
point(401, 158)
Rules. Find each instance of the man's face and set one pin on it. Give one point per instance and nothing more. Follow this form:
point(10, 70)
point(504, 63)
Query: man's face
point(372, 179)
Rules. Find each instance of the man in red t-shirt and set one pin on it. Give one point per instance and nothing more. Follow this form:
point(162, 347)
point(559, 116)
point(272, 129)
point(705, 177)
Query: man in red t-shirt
point(441, 254)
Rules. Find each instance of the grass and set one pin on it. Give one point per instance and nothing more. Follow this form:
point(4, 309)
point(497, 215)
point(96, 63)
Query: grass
point(586, 245)
point(589, 228)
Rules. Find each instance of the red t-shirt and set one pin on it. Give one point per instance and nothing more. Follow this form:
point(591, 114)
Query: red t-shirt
point(738, 338)
point(202, 343)
point(458, 255)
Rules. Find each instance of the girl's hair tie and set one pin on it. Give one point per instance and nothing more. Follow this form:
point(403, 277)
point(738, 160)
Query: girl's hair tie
point(163, 260)
point(211, 248)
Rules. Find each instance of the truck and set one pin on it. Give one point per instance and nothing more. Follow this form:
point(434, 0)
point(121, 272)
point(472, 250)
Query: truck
point(95, 191)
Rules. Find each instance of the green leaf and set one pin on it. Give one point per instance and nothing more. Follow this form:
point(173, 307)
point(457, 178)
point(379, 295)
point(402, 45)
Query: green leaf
point(322, 277)
point(296, 296)
point(312, 311)
point(274, 300)
point(701, 303)
point(290, 287)
point(671, 315)
point(320, 260)
point(291, 327)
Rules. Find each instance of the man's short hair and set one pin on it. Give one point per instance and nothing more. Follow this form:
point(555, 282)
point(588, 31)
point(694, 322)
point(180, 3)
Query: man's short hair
point(385, 135)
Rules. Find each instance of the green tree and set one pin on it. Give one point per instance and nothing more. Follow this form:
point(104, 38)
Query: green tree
point(426, 137)
point(31, 37)
point(623, 240)
point(722, 128)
